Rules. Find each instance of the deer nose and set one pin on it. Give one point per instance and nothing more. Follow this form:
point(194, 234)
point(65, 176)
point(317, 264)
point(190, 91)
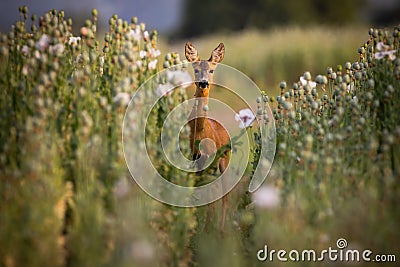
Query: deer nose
point(203, 84)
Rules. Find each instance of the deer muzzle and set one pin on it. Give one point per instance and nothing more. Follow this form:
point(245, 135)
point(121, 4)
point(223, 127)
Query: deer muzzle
point(203, 84)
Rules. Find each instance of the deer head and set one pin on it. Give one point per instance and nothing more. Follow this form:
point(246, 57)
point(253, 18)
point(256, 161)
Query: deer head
point(204, 69)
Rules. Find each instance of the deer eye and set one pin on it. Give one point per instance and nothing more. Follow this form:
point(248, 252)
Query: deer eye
point(211, 71)
point(196, 71)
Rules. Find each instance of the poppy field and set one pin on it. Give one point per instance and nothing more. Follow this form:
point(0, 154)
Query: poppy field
point(67, 197)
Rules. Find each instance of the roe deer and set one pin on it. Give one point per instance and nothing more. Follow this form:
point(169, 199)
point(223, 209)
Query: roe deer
point(201, 126)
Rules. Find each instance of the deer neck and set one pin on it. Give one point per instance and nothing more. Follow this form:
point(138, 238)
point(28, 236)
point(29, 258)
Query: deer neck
point(201, 100)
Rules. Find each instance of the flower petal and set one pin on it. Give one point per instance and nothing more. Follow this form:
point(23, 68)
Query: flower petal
point(379, 55)
point(246, 117)
point(266, 197)
point(392, 56)
point(381, 46)
point(303, 81)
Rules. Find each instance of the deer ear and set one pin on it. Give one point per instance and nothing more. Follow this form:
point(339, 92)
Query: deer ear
point(218, 54)
point(191, 52)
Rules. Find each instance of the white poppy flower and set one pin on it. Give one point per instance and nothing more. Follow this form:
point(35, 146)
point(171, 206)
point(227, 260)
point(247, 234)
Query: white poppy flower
point(74, 40)
point(122, 98)
point(383, 51)
point(179, 78)
point(43, 42)
point(56, 50)
point(382, 54)
point(266, 197)
point(25, 50)
point(152, 64)
point(245, 117)
point(134, 34)
point(154, 52)
point(142, 54)
point(304, 82)
point(164, 89)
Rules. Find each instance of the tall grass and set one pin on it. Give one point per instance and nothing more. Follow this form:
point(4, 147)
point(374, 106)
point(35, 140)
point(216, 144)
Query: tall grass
point(338, 152)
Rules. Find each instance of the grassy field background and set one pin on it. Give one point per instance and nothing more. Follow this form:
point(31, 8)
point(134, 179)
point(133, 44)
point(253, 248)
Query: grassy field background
point(284, 53)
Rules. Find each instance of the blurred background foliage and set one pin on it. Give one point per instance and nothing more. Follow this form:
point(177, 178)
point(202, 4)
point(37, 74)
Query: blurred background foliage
point(190, 18)
point(282, 53)
point(208, 16)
